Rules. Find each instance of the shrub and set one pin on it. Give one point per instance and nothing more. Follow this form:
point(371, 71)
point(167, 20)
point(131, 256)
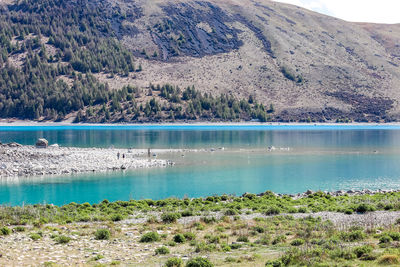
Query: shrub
point(278, 239)
point(264, 240)
point(150, 237)
point(272, 210)
point(62, 239)
point(174, 262)
point(213, 239)
point(187, 213)
point(235, 246)
point(19, 229)
point(242, 239)
point(201, 246)
point(225, 248)
point(189, 236)
point(389, 259)
point(297, 242)
point(362, 208)
point(35, 236)
point(209, 220)
point(5, 230)
point(352, 236)
point(102, 234)
point(302, 210)
point(363, 250)
point(342, 254)
point(171, 243)
point(259, 229)
point(230, 212)
point(116, 217)
point(348, 211)
point(385, 239)
point(394, 235)
point(274, 263)
point(179, 238)
point(170, 217)
point(162, 250)
point(199, 262)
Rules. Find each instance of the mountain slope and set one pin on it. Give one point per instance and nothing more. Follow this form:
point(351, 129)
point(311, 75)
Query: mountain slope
point(307, 65)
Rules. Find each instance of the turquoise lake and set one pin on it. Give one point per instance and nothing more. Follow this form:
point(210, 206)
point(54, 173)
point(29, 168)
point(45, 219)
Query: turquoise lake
point(320, 158)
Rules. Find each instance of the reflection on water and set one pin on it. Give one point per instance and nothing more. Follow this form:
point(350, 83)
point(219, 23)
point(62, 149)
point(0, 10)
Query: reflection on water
point(318, 159)
point(180, 137)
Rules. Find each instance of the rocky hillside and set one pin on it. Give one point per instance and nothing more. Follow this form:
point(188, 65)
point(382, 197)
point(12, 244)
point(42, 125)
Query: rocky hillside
point(296, 64)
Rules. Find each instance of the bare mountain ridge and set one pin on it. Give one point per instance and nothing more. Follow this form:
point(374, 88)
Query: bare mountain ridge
point(308, 65)
point(241, 47)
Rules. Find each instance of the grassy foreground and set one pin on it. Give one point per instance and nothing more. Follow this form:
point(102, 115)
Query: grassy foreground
point(215, 231)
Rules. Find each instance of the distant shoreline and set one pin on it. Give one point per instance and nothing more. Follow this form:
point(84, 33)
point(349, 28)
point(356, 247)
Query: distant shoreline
point(4, 122)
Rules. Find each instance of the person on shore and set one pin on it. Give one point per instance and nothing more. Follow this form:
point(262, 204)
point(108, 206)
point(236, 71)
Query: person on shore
point(118, 154)
point(123, 156)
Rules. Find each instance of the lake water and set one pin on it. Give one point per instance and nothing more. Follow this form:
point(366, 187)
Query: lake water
point(320, 158)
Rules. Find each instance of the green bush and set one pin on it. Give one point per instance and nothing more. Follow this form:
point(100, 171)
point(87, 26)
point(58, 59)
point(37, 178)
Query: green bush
point(162, 250)
point(102, 234)
point(297, 242)
point(187, 213)
point(242, 239)
point(385, 239)
point(259, 229)
point(116, 217)
point(5, 230)
point(264, 240)
point(174, 262)
point(362, 251)
point(150, 237)
point(189, 236)
point(179, 238)
point(362, 208)
point(230, 212)
point(394, 235)
point(235, 246)
point(209, 220)
point(199, 262)
point(352, 236)
point(62, 239)
point(35, 236)
point(19, 229)
point(274, 263)
point(170, 217)
point(348, 211)
point(272, 210)
point(279, 239)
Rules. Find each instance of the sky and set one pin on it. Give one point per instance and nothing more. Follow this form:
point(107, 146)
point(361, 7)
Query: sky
point(377, 11)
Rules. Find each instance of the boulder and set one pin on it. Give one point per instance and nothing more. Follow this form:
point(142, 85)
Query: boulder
point(42, 143)
point(309, 192)
point(14, 144)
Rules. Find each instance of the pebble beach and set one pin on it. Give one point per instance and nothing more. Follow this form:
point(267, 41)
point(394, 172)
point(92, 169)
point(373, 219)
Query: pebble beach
point(17, 160)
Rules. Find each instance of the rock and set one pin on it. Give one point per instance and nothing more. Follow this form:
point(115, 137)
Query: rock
point(42, 143)
point(309, 192)
point(14, 144)
point(54, 145)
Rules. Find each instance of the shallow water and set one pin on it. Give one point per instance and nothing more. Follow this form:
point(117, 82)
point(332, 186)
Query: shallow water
point(320, 158)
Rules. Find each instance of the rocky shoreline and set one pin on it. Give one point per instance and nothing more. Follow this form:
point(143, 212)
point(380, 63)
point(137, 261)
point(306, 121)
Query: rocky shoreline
point(17, 160)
